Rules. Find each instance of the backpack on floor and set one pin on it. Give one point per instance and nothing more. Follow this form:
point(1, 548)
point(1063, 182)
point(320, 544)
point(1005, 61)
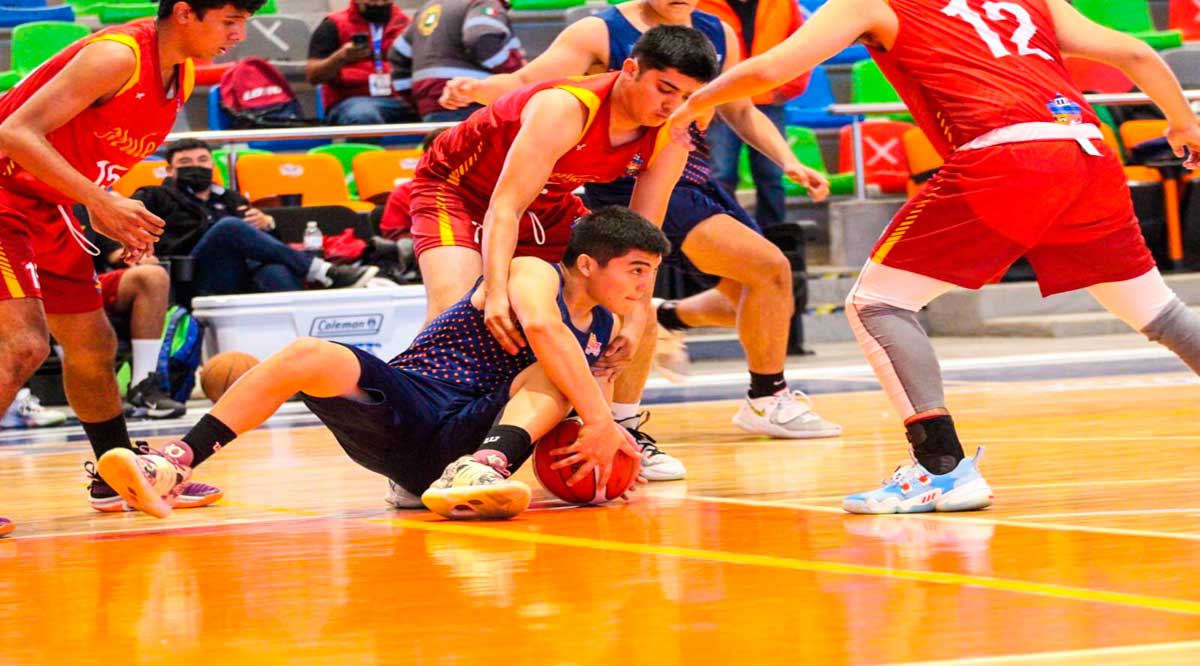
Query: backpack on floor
point(257, 95)
point(179, 357)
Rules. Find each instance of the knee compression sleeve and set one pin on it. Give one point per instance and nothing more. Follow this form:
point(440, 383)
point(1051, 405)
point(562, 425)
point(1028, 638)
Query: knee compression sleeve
point(1177, 328)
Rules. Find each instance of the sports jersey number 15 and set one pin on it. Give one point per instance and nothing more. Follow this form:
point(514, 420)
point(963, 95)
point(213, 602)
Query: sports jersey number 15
point(996, 11)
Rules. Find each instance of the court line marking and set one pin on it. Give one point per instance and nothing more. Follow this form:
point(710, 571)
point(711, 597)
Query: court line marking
point(1043, 656)
point(1056, 527)
point(1127, 512)
point(1037, 486)
point(160, 526)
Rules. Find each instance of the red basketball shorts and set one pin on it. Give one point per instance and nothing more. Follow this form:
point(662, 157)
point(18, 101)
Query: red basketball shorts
point(1067, 212)
point(40, 258)
point(444, 215)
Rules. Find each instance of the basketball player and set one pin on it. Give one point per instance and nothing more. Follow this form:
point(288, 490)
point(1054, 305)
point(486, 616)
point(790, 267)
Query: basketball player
point(714, 239)
point(503, 179)
point(455, 403)
point(1026, 174)
point(67, 132)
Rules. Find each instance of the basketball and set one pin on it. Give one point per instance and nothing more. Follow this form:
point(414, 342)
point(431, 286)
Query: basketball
point(624, 474)
point(221, 371)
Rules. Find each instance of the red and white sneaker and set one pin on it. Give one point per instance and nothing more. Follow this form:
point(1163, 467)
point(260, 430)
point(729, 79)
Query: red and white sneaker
point(106, 500)
point(149, 481)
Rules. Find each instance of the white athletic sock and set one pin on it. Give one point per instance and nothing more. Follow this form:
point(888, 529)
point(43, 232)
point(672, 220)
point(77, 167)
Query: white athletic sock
point(145, 359)
point(623, 411)
point(317, 271)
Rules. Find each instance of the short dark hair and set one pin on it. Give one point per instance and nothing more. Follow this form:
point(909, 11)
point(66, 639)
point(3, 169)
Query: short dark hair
point(680, 47)
point(613, 231)
point(182, 145)
point(202, 6)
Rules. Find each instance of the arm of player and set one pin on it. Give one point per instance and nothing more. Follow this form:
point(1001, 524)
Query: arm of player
point(533, 291)
point(756, 129)
point(833, 27)
point(652, 189)
point(572, 53)
point(1079, 35)
point(94, 75)
point(550, 126)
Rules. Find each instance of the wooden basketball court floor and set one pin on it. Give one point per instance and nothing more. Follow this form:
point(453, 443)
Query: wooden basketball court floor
point(1089, 556)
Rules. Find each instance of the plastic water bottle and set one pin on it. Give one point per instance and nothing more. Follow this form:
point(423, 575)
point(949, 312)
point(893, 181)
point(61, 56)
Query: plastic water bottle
point(314, 240)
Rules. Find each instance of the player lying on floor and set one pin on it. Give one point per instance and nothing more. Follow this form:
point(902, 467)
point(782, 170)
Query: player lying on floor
point(450, 418)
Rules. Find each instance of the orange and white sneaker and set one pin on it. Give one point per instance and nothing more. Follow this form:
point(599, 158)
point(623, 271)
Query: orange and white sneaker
point(149, 481)
point(106, 500)
point(6, 526)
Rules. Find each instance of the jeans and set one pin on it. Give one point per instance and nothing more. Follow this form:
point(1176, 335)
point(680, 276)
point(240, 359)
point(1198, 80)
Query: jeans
point(233, 256)
point(370, 111)
point(770, 207)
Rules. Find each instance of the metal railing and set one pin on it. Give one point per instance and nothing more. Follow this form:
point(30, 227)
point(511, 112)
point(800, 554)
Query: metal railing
point(860, 110)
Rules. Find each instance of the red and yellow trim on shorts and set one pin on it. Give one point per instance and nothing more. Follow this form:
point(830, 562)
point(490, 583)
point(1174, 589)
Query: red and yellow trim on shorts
point(10, 277)
point(886, 246)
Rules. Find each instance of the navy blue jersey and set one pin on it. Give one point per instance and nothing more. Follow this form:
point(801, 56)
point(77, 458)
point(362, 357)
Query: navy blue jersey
point(622, 35)
point(456, 347)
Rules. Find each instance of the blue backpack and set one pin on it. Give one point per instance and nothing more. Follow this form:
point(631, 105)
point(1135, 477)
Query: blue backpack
point(179, 356)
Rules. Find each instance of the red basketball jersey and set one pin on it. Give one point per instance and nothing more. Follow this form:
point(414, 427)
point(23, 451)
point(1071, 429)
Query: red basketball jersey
point(966, 67)
point(471, 155)
point(103, 141)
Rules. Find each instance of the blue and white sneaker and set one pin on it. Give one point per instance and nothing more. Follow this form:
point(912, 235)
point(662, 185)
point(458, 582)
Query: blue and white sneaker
point(912, 489)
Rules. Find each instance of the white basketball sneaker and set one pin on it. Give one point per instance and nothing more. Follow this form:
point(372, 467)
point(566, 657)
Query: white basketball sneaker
point(786, 415)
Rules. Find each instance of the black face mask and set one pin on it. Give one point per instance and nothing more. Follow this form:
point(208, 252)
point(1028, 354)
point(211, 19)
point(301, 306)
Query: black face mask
point(194, 179)
point(378, 14)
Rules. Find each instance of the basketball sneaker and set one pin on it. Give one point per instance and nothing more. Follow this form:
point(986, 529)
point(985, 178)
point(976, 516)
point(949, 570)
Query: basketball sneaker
point(402, 499)
point(671, 358)
point(106, 500)
point(786, 415)
point(6, 526)
point(344, 276)
point(913, 489)
point(148, 481)
point(26, 411)
point(149, 400)
point(657, 465)
point(477, 486)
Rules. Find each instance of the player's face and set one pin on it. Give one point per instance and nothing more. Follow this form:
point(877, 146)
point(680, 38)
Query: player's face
point(675, 11)
point(625, 281)
point(219, 30)
point(657, 93)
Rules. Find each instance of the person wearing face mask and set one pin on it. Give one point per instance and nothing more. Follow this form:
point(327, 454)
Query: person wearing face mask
point(347, 57)
point(227, 238)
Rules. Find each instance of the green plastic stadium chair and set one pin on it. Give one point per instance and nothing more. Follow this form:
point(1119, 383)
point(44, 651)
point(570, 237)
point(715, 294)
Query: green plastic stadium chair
point(869, 85)
point(544, 5)
point(109, 13)
point(220, 158)
point(1132, 17)
point(803, 142)
point(345, 154)
point(268, 8)
point(35, 43)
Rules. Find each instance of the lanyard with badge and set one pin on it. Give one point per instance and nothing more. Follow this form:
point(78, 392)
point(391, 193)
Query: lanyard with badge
point(379, 81)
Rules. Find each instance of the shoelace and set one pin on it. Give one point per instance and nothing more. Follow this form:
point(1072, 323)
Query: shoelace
point(649, 444)
point(89, 468)
point(494, 463)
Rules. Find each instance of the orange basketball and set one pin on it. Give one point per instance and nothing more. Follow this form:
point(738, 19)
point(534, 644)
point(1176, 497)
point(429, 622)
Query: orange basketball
point(625, 469)
point(221, 371)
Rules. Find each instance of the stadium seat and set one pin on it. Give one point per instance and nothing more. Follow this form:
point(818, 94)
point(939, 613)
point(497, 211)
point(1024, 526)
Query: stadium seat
point(378, 173)
point(110, 13)
point(219, 119)
point(281, 40)
point(1131, 17)
point(808, 109)
point(1185, 63)
point(884, 159)
point(149, 172)
point(317, 179)
point(868, 84)
point(11, 17)
point(23, 4)
point(345, 153)
point(923, 159)
point(35, 43)
point(1184, 16)
point(221, 160)
point(803, 142)
point(543, 5)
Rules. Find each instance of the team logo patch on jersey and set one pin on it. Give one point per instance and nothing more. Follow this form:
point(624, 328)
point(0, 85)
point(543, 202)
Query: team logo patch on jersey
point(1065, 111)
point(593, 346)
point(636, 163)
point(428, 21)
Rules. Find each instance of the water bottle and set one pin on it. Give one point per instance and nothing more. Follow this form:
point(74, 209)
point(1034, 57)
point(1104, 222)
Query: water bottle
point(314, 240)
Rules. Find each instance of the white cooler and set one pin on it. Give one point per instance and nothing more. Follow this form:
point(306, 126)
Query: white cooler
point(381, 321)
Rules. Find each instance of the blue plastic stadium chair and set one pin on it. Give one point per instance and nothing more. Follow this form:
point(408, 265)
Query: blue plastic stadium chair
point(22, 4)
point(850, 55)
point(11, 17)
point(219, 119)
point(808, 110)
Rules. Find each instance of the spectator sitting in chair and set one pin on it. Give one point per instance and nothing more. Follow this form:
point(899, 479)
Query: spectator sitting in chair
point(226, 237)
point(347, 56)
